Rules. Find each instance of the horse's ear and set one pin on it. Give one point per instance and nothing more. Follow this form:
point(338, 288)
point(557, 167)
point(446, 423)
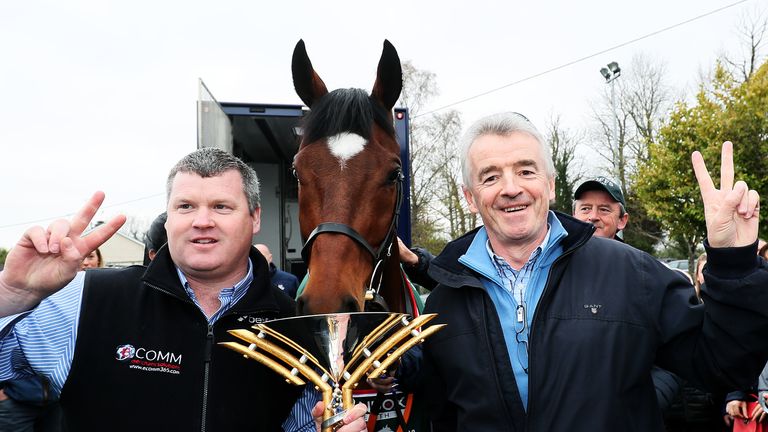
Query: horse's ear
point(307, 83)
point(389, 77)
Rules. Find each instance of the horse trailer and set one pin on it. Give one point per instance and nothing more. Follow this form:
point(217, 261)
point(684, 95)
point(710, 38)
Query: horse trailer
point(267, 137)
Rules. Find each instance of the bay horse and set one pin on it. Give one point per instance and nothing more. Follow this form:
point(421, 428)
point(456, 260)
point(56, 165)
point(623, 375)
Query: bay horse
point(350, 191)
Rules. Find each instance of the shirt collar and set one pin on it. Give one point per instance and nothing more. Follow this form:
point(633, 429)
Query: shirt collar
point(235, 290)
point(498, 260)
point(479, 259)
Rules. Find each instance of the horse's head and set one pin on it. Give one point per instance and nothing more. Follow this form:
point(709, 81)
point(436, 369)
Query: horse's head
point(350, 185)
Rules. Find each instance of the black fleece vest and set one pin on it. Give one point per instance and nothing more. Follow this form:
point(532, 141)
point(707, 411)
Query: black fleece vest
point(145, 358)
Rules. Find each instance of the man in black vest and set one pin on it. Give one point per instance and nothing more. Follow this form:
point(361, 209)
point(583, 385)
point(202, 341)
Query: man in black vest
point(137, 348)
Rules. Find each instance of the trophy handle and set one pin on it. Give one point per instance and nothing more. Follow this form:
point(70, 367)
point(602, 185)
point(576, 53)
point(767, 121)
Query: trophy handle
point(382, 350)
point(405, 347)
point(279, 336)
point(378, 332)
point(266, 361)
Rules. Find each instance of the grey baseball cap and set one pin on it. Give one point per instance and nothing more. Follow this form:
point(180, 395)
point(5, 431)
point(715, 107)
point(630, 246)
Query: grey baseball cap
point(603, 184)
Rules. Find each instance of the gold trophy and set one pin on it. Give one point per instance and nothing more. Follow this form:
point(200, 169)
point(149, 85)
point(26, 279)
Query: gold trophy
point(333, 351)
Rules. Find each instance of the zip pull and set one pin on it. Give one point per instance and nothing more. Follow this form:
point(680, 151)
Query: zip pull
point(520, 313)
point(208, 345)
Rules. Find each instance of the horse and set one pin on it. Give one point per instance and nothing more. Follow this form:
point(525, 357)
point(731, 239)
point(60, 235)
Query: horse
point(350, 191)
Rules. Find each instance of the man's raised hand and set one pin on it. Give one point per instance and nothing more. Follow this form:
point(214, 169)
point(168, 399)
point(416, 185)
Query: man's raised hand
point(732, 211)
point(45, 260)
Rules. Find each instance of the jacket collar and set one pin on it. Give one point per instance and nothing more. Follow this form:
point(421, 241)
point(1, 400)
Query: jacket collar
point(447, 270)
point(161, 274)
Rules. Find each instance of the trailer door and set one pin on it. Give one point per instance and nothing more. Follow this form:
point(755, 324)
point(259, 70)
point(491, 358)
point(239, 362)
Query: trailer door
point(214, 129)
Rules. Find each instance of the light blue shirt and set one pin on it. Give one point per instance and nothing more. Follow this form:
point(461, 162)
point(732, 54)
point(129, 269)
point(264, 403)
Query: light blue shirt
point(507, 286)
point(42, 341)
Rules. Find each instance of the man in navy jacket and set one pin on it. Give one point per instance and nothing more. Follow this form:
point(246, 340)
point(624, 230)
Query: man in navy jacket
point(550, 328)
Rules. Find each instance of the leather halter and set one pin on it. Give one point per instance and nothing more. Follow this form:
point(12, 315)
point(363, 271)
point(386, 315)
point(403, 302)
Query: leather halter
point(379, 255)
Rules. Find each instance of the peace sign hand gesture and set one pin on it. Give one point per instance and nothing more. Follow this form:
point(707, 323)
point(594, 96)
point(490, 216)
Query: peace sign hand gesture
point(44, 261)
point(731, 212)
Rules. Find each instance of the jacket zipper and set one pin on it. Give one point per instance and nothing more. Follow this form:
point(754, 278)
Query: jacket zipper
point(491, 351)
point(533, 324)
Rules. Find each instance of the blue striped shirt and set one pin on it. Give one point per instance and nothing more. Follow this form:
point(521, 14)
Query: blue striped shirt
point(42, 341)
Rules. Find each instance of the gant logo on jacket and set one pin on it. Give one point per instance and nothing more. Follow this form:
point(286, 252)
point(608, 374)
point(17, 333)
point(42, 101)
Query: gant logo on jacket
point(149, 360)
point(594, 308)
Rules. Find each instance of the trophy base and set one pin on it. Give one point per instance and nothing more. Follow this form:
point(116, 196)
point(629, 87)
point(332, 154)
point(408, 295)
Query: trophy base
point(333, 422)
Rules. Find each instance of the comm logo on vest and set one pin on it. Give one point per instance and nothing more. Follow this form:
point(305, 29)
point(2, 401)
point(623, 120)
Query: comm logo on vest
point(149, 360)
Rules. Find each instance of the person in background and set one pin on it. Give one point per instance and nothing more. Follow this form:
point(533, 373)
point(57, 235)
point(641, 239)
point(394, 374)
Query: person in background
point(155, 238)
point(281, 279)
point(701, 261)
point(693, 409)
point(749, 405)
point(600, 202)
point(28, 405)
point(93, 260)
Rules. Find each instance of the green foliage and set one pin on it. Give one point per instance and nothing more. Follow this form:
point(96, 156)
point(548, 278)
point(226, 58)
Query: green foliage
point(642, 231)
point(562, 144)
point(726, 110)
point(3, 254)
point(424, 233)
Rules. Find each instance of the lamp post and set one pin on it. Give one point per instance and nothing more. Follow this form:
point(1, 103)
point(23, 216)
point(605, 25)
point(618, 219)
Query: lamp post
point(610, 72)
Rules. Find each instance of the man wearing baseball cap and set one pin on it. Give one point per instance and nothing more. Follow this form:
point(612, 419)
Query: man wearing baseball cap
point(600, 202)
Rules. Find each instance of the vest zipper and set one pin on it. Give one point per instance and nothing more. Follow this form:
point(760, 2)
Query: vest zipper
point(206, 373)
point(208, 349)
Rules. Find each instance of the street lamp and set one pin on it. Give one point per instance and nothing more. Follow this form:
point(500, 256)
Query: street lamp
point(610, 72)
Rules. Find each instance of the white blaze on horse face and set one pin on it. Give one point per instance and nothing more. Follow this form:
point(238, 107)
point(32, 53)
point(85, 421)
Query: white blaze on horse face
point(345, 145)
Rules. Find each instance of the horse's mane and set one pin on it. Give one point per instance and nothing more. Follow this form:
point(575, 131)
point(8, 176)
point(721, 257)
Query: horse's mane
point(345, 110)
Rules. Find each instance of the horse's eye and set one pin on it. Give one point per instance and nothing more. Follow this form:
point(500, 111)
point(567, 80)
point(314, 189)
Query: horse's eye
point(396, 176)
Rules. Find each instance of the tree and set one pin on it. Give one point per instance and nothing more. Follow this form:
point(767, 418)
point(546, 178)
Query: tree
point(622, 139)
point(450, 203)
point(666, 184)
point(437, 209)
point(752, 31)
point(3, 254)
point(724, 109)
point(563, 146)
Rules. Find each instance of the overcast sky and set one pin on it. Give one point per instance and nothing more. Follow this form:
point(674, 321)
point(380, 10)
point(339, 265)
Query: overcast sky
point(100, 95)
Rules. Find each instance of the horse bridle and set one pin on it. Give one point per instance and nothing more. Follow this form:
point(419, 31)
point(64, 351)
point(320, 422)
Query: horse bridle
point(379, 255)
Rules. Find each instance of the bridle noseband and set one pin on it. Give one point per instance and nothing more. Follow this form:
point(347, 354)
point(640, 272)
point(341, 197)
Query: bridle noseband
point(379, 255)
